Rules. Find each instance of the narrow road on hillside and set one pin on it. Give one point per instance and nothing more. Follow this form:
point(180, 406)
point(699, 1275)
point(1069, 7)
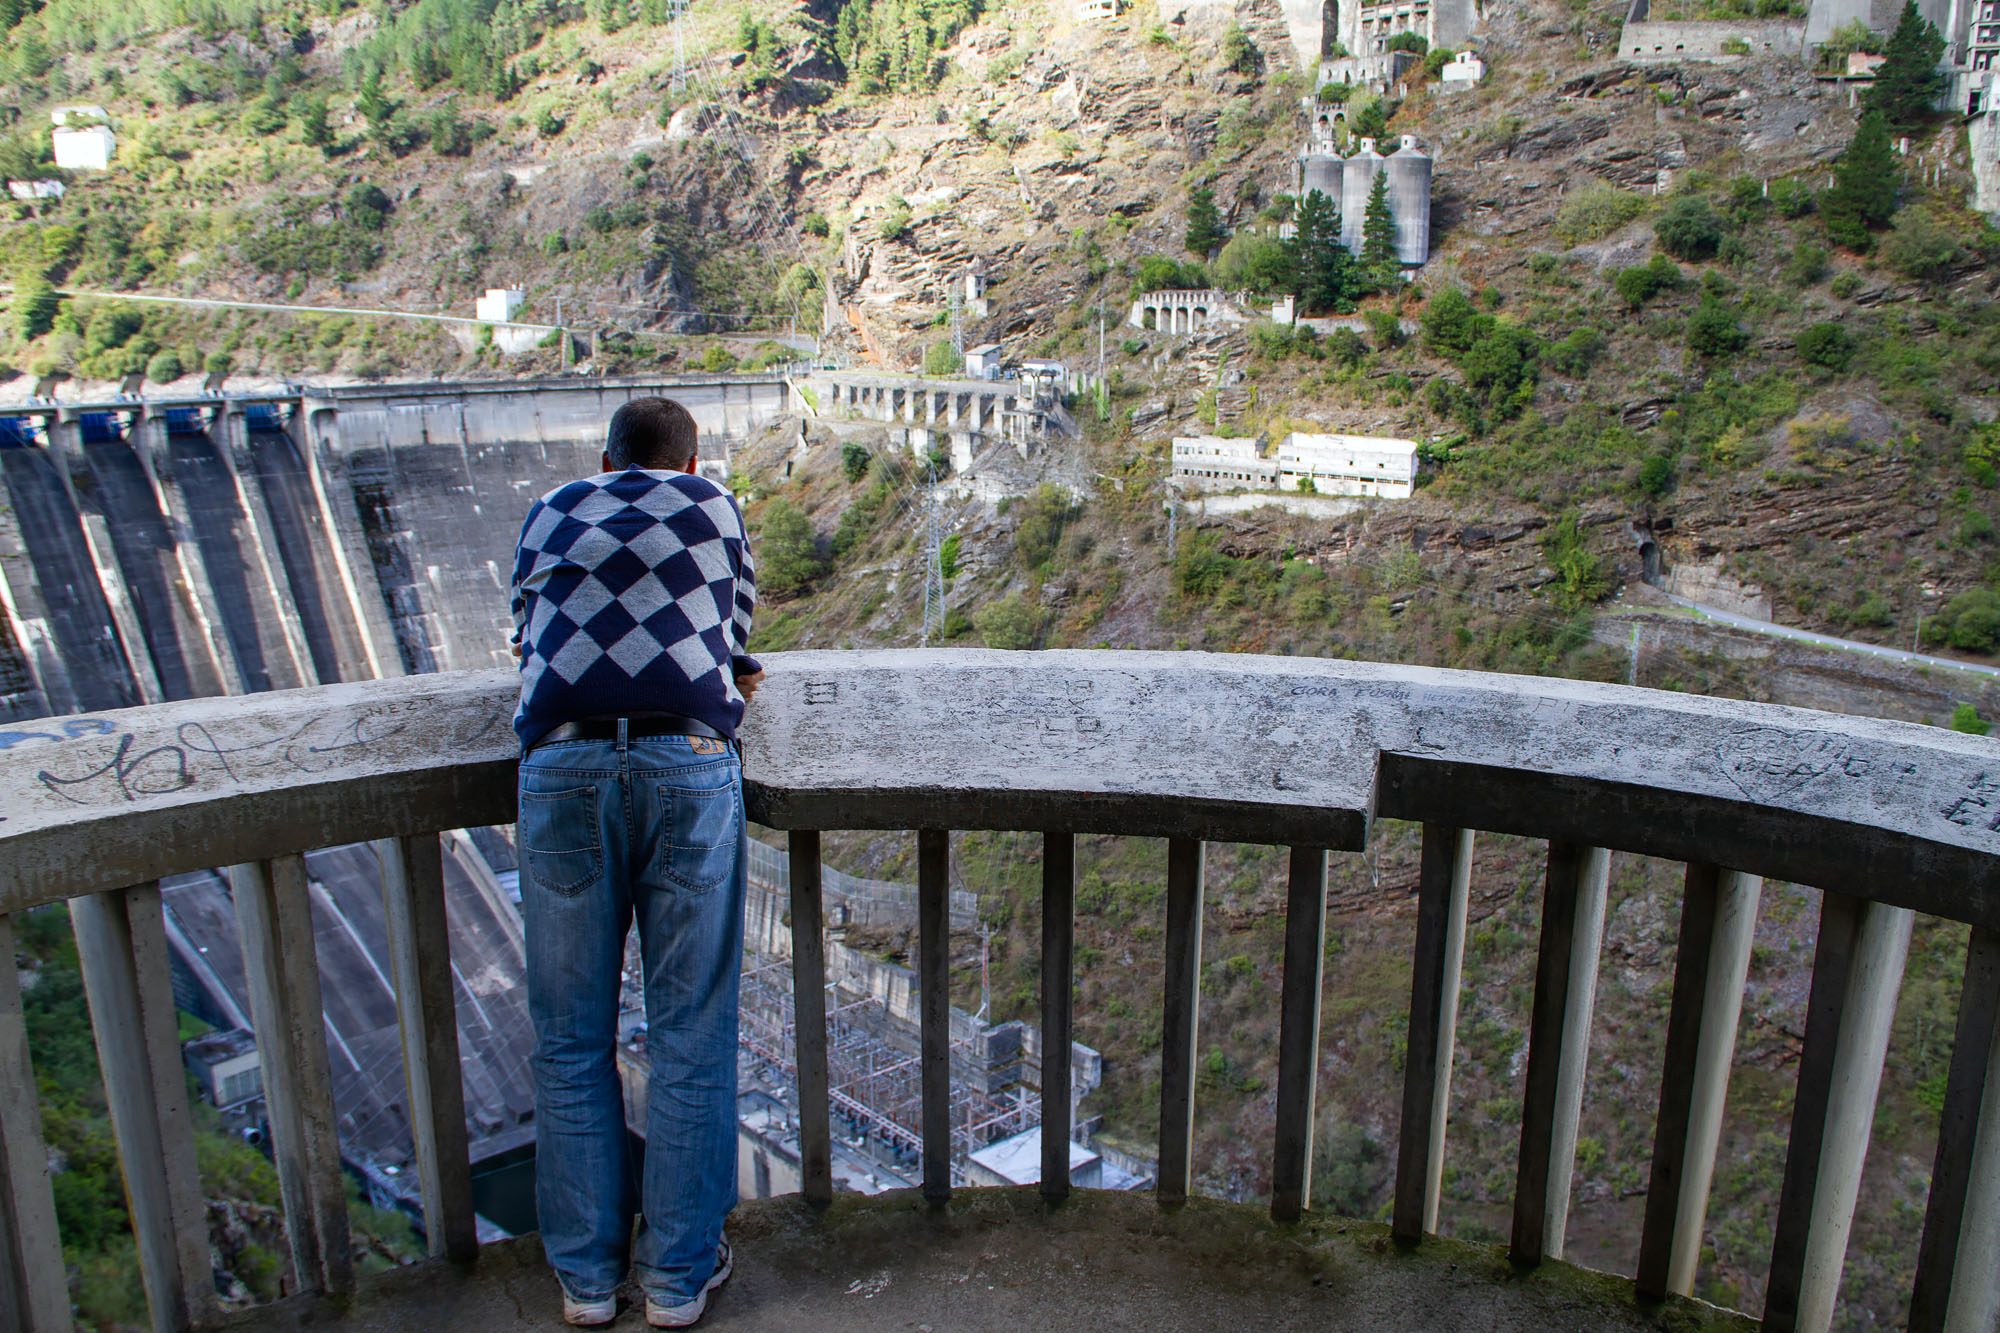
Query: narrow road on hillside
point(273, 305)
point(1778, 631)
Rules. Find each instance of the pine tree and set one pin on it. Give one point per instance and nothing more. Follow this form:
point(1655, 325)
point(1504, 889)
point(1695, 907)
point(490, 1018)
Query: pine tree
point(1322, 269)
point(1863, 196)
point(1378, 234)
point(1204, 222)
point(1908, 81)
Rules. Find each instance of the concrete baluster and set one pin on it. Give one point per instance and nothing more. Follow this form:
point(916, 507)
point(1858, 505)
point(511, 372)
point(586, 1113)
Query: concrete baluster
point(809, 1019)
point(1298, 1033)
point(34, 1289)
point(1857, 971)
point(281, 969)
point(934, 1005)
point(121, 948)
point(1443, 888)
point(1958, 1264)
point(1718, 926)
point(1058, 984)
point(1180, 1017)
point(1558, 1047)
point(420, 961)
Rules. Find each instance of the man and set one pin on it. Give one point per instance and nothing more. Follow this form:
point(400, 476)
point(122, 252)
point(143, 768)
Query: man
point(633, 592)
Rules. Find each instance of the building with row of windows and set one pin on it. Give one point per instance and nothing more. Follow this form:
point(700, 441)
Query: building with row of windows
point(1370, 465)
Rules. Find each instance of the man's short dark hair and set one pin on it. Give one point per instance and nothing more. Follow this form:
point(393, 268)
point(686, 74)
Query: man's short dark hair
point(655, 433)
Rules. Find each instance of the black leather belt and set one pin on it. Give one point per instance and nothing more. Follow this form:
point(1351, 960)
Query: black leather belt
point(636, 728)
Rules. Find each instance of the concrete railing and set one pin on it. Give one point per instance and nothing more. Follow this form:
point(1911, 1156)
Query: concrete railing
point(1887, 819)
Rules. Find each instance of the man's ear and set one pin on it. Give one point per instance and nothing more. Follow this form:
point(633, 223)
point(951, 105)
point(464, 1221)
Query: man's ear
point(692, 463)
point(604, 461)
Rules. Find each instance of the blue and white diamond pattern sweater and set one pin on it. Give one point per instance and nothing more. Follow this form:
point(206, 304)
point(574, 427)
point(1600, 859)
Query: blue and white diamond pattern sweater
point(632, 594)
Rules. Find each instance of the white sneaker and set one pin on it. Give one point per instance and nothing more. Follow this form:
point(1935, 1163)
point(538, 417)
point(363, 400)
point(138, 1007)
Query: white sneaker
point(588, 1314)
point(686, 1313)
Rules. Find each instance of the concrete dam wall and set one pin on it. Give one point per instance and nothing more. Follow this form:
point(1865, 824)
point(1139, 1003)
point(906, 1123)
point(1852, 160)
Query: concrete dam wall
point(174, 549)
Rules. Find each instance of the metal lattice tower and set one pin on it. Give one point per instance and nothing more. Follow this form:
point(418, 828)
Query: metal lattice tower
point(934, 524)
point(957, 308)
point(676, 11)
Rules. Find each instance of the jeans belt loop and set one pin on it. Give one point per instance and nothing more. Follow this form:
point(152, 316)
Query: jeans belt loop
point(623, 740)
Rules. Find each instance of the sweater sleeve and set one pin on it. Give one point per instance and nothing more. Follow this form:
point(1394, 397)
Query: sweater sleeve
point(740, 662)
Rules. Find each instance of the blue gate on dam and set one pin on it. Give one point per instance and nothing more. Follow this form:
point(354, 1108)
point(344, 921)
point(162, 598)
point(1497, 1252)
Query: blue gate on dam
point(173, 549)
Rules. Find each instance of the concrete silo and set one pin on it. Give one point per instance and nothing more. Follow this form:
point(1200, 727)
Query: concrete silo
point(1410, 200)
point(1322, 172)
point(1358, 180)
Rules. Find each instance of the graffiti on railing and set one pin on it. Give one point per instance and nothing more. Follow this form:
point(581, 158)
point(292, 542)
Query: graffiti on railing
point(196, 756)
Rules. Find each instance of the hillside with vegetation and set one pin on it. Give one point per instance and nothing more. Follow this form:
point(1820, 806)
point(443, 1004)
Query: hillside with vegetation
point(1710, 307)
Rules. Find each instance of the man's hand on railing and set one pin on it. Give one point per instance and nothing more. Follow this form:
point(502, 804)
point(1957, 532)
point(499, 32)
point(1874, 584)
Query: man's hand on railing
point(747, 685)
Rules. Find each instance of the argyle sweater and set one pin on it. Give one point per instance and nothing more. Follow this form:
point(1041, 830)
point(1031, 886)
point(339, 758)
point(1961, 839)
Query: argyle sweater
point(632, 594)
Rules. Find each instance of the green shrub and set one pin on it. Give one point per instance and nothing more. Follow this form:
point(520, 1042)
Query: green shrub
point(948, 556)
point(895, 224)
point(1598, 209)
point(1689, 229)
point(1239, 52)
point(1579, 577)
point(717, 360)
point(35, 306)
point(941, 358)
point(1575, 353)
point(1656, 474)
point(1713, 330)
point(1807, 264)
point(1436, 59)
point(1157, 273)
point(1412, 42)
point(1970, 621)
point(814, 224)
point(1642, 282)
point(164, 367)
point(854, 460)
point(1966, 718)
point(1826, 345)
point(1012, 622)
point(218, 363)
point(1044, 514)
point(1922, 247)
point(787, 554)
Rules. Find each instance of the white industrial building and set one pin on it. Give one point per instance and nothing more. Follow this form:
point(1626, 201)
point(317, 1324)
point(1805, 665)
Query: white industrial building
point(1369, 465)
point(1213, 463)
point(1348, 465)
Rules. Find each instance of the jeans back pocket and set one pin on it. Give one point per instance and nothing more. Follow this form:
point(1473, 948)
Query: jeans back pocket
point(559, 839)
point(700, 828)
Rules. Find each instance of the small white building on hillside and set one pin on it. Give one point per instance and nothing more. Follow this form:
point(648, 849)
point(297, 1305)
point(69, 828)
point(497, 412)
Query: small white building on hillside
point(85, 147)
point(499, 304)
point(983, 362)
point(1213, 463)
point(1462, 71)
point(1348, 465)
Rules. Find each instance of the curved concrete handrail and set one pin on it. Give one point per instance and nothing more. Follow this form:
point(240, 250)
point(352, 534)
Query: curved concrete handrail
point(1223, 747)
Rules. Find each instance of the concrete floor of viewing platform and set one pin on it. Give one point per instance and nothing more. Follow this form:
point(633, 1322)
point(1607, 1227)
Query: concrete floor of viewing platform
point(1001, 1259)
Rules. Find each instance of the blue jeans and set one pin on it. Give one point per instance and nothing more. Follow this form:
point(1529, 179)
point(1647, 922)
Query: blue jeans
point(651, 830)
